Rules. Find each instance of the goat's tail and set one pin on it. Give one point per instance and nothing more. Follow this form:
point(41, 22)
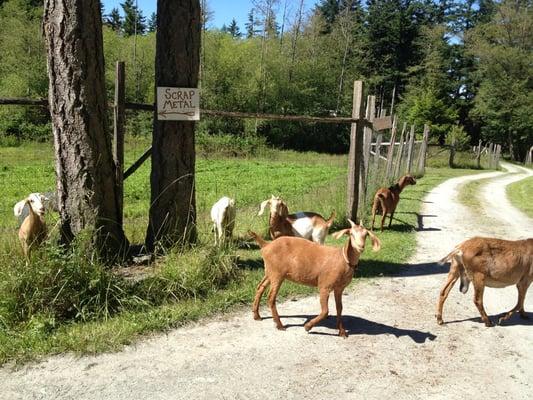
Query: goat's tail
point(331, 218)
point(260, 241)
point(457, 256)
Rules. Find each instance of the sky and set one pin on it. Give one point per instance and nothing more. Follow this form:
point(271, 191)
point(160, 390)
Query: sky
point(223, 10)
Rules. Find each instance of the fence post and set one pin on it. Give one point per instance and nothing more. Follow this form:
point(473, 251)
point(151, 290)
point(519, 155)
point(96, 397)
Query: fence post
point(400, 152)
point(390, 153)
point(529, 156)
point(410, 149)
point(118, 134)
point(478, 155)
point(356, 150)
point(377, 154)
point(498, 153)
point(489, 155)
point(421, 170)
point(452, 154)
point(363, 179)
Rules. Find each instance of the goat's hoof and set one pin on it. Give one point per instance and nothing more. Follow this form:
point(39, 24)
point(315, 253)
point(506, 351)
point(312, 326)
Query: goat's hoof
point(488, 323)
point(307, 327)
point(342, 333)
point(281, 328)
point(257, 317)
point(440, 321)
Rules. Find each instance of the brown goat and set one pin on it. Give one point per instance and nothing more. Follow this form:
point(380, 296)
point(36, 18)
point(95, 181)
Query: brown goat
point(386, 200)
point(326, 267)
point(308, 225)
point(489, 262)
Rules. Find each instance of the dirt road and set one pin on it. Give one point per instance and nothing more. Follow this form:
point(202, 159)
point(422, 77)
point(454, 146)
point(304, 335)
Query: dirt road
point(395, 348)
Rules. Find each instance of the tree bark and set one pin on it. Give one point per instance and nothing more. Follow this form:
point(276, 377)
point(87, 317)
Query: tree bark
point(86, 185)
point(173, 203)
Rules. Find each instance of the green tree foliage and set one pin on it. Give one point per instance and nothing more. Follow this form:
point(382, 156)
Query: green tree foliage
point(134, 21)
point(233, 29)
point(114, 20)
point(152, 22)
point(505, 71)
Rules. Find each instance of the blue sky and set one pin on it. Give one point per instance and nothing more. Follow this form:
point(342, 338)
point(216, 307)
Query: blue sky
point(224, 10)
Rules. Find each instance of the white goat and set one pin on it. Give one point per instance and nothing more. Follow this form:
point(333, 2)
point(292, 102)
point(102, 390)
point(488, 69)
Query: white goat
point(223, 217)
point(33, 229)
point(308, 225)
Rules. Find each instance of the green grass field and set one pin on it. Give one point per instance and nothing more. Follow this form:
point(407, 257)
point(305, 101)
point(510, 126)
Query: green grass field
point(64, 303)
point(520, 194)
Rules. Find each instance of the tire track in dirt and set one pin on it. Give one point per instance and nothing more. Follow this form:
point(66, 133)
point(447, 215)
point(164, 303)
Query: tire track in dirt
point(395, 348)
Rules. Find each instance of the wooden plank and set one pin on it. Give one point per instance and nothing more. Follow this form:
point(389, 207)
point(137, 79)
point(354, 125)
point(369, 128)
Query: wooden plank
point(382, 123)
point(390, 152)
point(478, 155)
point(146, 155)
point(118, 134)
point(422, 155)
point(400, 152)
point(354, 155)
point(367, 140)
point(410, 149)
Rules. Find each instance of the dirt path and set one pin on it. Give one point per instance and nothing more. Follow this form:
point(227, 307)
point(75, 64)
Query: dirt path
point(395, 348)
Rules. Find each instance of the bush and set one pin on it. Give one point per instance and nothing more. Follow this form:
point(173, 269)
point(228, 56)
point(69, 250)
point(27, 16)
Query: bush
point(458, 136)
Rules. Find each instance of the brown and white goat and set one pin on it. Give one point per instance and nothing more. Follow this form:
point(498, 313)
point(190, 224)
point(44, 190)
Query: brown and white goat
point(326, 267)
point(386, 200)
point(489, 262)
point(307, 225)
point(33, 229)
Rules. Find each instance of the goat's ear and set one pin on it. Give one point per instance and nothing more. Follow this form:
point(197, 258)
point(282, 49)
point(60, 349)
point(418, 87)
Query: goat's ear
point(339, 234)
point(19, 207)
point(376, 243)
point(263, 205)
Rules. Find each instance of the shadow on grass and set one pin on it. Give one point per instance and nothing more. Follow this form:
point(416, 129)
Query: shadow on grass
point(361, 326)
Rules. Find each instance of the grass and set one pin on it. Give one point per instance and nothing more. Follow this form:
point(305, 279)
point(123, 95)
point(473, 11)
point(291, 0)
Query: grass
point(62, 303)
point(520, 194)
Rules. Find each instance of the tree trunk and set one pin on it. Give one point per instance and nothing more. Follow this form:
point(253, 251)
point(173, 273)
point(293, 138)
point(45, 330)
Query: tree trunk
point(173, 203)
point(86, 185)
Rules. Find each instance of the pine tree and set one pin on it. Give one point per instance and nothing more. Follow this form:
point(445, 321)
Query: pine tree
point(114, 20)
point(134, 21)
point(152, 22)
point(233, 29)
point(224, 28)
point(250, 25)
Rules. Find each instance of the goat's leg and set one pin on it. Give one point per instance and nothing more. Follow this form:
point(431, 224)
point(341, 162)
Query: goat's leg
point(258, 294)
point(522, 290)
point(374, 209)
point(479, 287)
point(383, 218)
point(338, 304)
point(390, 220)
point(274, 288)
point(453, 275)
point(324, 296)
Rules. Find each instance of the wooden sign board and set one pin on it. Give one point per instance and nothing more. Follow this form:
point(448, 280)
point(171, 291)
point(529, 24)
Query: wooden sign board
point(178, 104)
point(383, 123)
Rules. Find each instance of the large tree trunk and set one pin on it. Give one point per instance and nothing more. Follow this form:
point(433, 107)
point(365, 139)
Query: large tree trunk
point(86, 187)
point(173, 203)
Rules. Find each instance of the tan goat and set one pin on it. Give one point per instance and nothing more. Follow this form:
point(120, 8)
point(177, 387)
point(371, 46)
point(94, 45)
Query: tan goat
point(489, 262)
point(308, 225)
point(326, 267)
point(386, 200)
point(33, 229)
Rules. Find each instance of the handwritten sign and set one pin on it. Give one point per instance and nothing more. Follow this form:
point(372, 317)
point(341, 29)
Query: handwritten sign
point(178, 104)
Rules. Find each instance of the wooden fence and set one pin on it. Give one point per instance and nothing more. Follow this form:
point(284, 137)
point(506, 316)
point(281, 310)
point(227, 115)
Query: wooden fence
point(368, 167)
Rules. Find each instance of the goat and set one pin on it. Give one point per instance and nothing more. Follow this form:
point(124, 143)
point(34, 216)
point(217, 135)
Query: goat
point(307, 225)
point(386, 200)
point(223, 217)
point(489, 262)
point(326, 267)
point(33, 229)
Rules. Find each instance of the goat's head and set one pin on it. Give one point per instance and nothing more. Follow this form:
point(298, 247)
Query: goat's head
point(358, 235)
point(36, 201)
point(277, 207)
point(406, 180)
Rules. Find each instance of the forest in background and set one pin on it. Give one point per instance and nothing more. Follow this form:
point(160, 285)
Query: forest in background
point(463, 67)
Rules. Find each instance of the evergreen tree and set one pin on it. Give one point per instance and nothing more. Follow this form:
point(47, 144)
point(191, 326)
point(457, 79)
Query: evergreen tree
point(152, 22)
point(250, 25)
point(224, 28)
point(134, 21)
point(234, 30)
point(114, 20)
